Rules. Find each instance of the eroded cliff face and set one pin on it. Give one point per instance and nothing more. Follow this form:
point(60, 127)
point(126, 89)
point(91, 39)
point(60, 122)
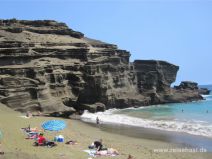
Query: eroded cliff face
point(47, 67)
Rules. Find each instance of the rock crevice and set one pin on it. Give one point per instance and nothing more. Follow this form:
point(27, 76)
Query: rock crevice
point(46, 66)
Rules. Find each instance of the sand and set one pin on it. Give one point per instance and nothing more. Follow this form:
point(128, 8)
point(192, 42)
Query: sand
point(16, 146)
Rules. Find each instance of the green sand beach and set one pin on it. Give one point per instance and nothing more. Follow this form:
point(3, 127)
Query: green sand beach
point(16, 146)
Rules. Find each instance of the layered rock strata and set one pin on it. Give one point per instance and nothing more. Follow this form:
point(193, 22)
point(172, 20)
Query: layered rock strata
point(47, 67)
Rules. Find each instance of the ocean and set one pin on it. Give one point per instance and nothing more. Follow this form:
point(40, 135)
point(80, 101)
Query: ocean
point(187, 121)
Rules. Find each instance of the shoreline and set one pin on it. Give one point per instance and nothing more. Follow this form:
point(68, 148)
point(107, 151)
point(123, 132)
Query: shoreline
point(178, 138)
point(17, 147)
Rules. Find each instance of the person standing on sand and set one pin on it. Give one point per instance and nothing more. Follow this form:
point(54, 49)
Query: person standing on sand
point(97, 120)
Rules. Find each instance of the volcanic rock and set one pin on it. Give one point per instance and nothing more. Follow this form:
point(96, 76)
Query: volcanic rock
point(46, 66)
point(189, 85)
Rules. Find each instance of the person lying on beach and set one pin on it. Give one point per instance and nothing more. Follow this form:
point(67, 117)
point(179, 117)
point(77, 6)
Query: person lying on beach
point(71, 142)
point(27, 129)
point(108, 152)
point(32, 135)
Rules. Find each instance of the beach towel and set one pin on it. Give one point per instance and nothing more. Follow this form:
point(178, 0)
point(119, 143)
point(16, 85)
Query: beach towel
point(23, 116)
point(108, 152)
point(90, 152)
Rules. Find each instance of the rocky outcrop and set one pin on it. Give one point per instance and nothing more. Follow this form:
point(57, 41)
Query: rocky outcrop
point(204, 91)
point(38, 26)
point(189, 85)
point(47, 67)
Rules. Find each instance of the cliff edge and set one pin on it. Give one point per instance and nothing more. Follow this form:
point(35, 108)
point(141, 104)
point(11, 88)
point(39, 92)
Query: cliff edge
point(46, 66)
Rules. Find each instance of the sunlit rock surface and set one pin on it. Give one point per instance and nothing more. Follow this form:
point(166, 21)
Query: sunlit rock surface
point(46, 66)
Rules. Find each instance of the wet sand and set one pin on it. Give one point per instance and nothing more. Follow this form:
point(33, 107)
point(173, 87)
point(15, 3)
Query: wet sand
point(178, 138)
point(17, 147)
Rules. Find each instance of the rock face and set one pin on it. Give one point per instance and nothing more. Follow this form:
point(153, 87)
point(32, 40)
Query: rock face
point(47, 67)
point(189, 85)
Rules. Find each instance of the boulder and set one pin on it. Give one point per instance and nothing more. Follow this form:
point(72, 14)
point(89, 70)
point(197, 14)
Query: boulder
point(204, 91)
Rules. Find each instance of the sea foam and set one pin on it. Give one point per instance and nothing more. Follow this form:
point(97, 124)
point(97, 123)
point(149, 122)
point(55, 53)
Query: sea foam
point(207, 97)
point(194, 127)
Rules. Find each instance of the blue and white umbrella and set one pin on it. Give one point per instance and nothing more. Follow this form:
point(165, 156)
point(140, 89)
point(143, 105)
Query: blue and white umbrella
point(54, 125)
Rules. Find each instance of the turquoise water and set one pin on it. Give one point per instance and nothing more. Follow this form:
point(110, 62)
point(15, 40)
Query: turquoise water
point(198, 111)
point(187, 124)
point(192, 118)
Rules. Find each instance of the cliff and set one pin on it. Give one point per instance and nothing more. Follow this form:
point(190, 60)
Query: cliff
point(46, 66)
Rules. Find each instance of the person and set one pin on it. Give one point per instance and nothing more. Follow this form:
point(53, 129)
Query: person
point(97, 120)
point(130, 157)
point(41, 139)
point(109, 151)
point(26, 129)
point(71, 142)
point(32, 135)
point(1, 151)
point(98, 145)
point(112, 151)
point(28, 114)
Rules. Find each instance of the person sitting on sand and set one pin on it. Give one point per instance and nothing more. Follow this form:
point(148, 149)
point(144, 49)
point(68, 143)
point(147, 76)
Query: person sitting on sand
point(41, 139)
point(98, 145)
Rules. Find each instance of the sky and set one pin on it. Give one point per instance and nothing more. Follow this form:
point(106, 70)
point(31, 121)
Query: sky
point(177, 31)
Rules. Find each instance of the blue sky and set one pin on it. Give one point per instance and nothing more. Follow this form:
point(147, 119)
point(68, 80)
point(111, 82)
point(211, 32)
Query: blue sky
point(178, 31)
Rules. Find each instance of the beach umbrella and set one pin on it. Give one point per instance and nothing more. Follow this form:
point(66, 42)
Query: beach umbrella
point(54, 125)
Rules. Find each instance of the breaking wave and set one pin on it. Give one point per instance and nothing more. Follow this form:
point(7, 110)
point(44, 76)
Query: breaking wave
point(207, 97)
point(195, 127)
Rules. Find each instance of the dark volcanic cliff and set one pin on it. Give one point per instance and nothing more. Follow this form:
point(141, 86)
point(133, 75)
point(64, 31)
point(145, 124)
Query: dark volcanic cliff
point(45, 66)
